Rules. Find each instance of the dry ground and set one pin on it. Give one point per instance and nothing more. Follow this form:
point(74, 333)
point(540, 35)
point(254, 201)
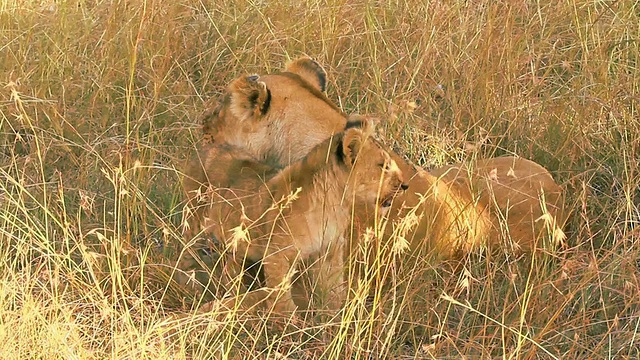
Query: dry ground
point(98, 101)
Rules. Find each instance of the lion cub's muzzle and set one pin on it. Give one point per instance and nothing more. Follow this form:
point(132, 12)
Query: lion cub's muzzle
point(397, 189)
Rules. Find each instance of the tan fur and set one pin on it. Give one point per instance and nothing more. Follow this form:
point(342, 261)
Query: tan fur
point(459, 206)
point(303, 211)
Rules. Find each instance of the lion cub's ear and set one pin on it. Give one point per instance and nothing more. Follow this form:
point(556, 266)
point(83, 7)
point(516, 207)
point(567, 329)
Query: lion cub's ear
point(310, 71)
point(366, 123)
point(250, 97)
point(351, 144)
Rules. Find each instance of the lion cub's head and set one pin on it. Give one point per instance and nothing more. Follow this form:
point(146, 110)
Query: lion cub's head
point(276, 117)
point(375, 178)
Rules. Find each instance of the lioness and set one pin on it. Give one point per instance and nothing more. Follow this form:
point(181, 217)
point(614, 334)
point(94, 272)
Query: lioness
point(301, 212)
point(279, 117)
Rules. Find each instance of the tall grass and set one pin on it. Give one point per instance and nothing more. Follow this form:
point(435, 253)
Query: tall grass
point(98, 102)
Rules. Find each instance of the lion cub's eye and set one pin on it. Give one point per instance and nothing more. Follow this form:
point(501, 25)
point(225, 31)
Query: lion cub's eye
point(384, 165)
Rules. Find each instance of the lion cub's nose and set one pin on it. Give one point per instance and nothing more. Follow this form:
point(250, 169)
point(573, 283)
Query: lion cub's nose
point(404, 186)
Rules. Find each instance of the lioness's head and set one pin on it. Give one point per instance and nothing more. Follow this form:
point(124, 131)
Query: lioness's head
point(278, 117)
point(375, 178)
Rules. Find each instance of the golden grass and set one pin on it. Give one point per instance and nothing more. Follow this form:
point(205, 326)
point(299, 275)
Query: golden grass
point(97, 106)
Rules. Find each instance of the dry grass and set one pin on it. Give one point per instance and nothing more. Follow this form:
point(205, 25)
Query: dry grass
point(97, 106)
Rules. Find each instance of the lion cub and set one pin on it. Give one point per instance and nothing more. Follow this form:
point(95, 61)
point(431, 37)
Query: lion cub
point(304, 211)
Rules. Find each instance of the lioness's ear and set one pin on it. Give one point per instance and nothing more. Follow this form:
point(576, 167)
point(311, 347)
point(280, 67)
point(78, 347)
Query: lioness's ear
point(250, 97)
point(310, 71)
point(351, 144)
